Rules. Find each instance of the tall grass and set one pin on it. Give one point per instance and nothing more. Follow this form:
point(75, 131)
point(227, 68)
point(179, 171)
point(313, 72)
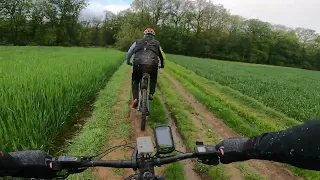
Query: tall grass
point(294, 92)
point(41, 89)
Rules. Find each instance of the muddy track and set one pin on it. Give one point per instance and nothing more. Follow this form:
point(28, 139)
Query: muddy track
point(268, 169)
point(189, 171)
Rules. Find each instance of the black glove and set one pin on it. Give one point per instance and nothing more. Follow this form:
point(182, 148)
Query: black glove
point(161, 66)
point(129, 63)
point(231, 150)
point(235, 149)
point(30, 164)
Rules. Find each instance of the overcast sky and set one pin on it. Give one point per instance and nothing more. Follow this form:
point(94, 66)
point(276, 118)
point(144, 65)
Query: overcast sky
point(291, 13)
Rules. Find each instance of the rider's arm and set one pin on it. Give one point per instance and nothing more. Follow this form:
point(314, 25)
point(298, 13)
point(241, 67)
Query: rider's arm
point(162, 57)
point(27, 164)
point(7, 162)
point(298, 146)
point(130, 52)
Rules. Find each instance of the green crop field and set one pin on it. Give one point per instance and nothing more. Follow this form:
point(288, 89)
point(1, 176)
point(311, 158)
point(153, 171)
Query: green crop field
point(294, 92)
point(42, 88)
point(241, 113)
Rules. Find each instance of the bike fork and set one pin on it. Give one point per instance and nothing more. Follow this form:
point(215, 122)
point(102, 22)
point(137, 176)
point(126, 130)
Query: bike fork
point(148, 106)
point(139, 103)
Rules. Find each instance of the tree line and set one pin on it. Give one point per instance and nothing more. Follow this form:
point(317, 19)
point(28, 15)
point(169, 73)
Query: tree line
point(187, 27)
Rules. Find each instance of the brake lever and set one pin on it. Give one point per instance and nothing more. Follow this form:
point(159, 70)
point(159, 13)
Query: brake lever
point(64, 161)
point(204, 153)
point(67, 162)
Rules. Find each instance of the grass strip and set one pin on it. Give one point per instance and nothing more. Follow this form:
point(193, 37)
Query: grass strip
point(99, 129)
point(181, 110)
point(173, 171)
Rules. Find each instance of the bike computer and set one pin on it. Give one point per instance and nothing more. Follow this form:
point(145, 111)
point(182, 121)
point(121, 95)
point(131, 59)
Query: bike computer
point(164, 139)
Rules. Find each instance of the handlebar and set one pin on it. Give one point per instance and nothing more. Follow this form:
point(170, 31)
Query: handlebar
point(68, 162)
point(142, 162)
point(113, 163)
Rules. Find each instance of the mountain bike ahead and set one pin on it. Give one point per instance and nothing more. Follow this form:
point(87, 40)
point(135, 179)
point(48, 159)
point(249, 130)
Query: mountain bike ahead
point(143, 160)
point(144, 103)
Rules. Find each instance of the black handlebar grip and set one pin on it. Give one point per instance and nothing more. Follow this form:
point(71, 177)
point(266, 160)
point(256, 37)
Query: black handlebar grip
point(115, 164)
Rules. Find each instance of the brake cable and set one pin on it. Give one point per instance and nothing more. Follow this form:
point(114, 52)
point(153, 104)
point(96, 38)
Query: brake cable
point(108, 151)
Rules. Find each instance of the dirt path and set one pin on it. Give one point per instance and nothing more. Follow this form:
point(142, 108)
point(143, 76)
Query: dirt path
point(268, 169)
point(132, 118)
point(189, 172)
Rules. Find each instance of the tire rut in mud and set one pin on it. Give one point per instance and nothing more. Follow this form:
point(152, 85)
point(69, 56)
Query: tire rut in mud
point(268, 169)
point(189, 170)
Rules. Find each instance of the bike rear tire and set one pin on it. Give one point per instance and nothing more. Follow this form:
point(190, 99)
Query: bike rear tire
point(144, 110)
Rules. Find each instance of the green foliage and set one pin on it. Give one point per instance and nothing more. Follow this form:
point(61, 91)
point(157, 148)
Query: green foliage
point(43, 88)
point(291, 91)
point(175, 171)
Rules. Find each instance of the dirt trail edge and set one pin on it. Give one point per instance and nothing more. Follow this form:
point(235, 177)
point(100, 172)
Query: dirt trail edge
point(268, 169)
point(189, 172)
point(123, 153)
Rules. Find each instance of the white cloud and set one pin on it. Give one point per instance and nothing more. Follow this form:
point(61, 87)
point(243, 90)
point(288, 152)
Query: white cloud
point(292, 13)
point(96, 9)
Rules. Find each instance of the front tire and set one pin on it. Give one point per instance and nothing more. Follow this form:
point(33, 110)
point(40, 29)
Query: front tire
point(144, 110)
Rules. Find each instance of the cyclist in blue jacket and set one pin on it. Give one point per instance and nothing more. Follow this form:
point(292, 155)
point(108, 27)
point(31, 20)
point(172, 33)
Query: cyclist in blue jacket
point(147, 54)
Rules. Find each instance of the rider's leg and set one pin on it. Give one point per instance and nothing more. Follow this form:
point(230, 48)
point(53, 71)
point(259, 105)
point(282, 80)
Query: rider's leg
point(153, 82)
point(136, 77)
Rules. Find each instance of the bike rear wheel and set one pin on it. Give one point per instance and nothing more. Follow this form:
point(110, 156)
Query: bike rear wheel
point(144, 110)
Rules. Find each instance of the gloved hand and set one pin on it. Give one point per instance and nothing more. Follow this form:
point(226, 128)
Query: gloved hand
point(231, 150)
point(30, 164)
point(129, 63)
point(235, 149)
point(161, 66)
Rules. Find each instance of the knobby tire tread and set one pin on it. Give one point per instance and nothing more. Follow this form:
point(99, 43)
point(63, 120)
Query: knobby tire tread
point(144, 110)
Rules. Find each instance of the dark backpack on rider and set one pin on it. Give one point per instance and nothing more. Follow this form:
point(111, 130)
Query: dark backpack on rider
point(146, 51)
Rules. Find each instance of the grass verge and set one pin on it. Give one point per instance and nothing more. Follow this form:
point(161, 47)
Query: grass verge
point(99, 130)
